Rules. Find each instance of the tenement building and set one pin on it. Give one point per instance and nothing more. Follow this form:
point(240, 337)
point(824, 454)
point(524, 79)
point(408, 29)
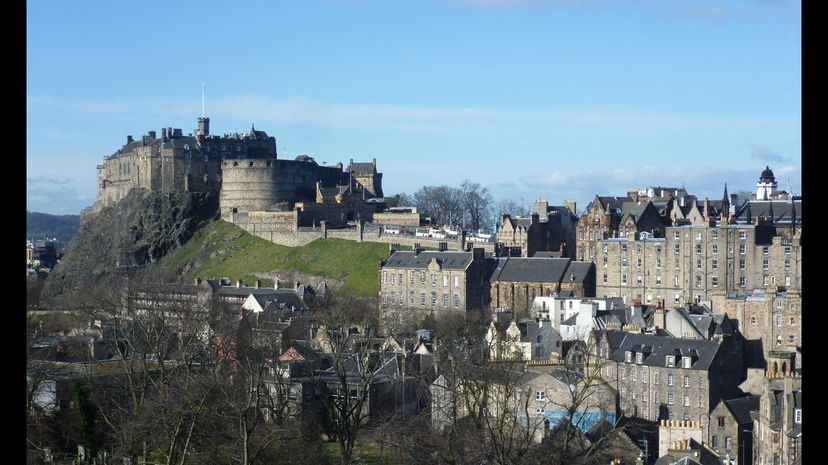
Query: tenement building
point(417, 283)
point(664, 378)
point(548, 229)
point(612, 217)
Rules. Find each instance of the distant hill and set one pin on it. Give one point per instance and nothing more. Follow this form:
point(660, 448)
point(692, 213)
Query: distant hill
point(43, 225)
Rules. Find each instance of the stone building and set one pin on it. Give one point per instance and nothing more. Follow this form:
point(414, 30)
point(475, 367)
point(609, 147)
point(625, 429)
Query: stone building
point(731, 429)
point(665, 378)
point(416, 283)
point(777, 426)
point(516, 281)
point(695, 263)
point(245, 169)
point(549, 228)
point(610, 217)
point(528, 339)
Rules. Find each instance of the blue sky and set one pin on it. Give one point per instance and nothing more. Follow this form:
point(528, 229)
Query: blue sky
point(533, 98)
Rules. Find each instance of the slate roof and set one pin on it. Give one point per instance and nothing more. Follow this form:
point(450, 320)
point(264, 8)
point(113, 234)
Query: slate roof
point(781, 210)
point(360, 168)
point(531, 269)
point(741, 408)
point(702, 351)
point(180, 142)
point(633, 209)
point(451, 260)
point(614, 203)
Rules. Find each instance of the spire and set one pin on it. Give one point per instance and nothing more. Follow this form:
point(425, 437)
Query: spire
point(252, 131)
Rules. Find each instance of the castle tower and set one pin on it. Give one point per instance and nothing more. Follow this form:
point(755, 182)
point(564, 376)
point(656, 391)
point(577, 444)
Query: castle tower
point(766, 185)
point(203, 126)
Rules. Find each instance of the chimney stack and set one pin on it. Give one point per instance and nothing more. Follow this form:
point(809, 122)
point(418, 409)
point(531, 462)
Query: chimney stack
point(129, 139)
point(239, 283)
point(276, 282)
point(258, 284)
point(164, 134)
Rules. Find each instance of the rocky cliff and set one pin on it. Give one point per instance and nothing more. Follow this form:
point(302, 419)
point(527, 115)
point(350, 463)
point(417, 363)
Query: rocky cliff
point(136, 232)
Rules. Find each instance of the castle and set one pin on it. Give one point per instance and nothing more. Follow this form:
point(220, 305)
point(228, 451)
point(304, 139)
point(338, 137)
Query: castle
point(245, 171)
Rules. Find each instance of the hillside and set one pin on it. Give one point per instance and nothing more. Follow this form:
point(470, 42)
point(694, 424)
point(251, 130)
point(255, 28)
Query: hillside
point(221, 249)
point(137, 232)
point(44, 225)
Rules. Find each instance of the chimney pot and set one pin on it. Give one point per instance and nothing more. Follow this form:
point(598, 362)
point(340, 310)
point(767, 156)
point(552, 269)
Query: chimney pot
point(239, 283)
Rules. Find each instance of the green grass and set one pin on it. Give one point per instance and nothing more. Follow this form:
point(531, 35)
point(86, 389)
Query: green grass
point(222, 249)
point(368, 453)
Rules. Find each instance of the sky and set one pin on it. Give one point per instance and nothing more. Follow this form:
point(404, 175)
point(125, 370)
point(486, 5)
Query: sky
point(553, 99)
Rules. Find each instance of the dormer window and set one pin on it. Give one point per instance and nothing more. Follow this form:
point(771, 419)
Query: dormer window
point(628, 356)
point(686, 362)
point(639, 358)
point(671, 361)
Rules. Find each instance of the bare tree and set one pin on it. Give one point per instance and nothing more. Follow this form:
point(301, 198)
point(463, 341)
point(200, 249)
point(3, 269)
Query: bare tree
point(476, 201)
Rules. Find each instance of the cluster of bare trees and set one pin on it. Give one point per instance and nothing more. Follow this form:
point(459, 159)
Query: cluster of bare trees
point(469, 205)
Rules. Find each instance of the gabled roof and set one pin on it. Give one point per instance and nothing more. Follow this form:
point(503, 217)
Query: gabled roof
point(614, 203)
point(180, 142)
point(741, 408)
point(451, 260)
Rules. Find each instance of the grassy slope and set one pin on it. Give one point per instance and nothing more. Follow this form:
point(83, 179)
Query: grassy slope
point(223, 249)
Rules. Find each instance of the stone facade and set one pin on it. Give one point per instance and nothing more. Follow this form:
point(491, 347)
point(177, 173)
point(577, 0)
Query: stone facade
point(731, 429)
point(697, 263)
point(609, 217)
point(547, 229)
point(415, 284)
point(652, 386)
point(517, 281)
point(777, 426)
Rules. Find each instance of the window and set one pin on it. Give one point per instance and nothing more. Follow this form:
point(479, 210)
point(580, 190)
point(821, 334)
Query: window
point(698, 263)
point(433, 279)
point(715, 249)
point(538, 410)
point(741, 263)
point(605, 248)
point(670, 380)
point(728, 443)
point(792, 321)
point(787, 250)
point(655, 397)
point(753, 320)
point(445, 281)
point(715, 264)
point(623, 392)
point(445, 300)
point(624, 249)
point(658, 249)
point(658, 263)
point(669, 398)
point(633, 394)
point(714, 234)
point(422, 298)
point(687, 361)
point(624, 279)
point(742, 249)
point(644, 396)
point(633, 374)
point(422, 277)
point(656, 377)
point(411, 297)
point(698, 249)
point(540, 395)
point(677, 264)
point(765, 251)
point(400, 298)
point(456, 301)
point(698, 280)
point(623, 373)
point(624, 262)
point(686, 401)
point(644, 375)
point(393, 279)
point(410, 277)
point(677, 234)
point(433, 299)
point(638, 263)
point(384, 277)
point(700, 401)
point(605, 261)
point(457, 280)
point(714, 281)
point(798, 415)
point(638, 280)
point(605, 278)
point(677, 249)
point(715, 442)
point(638, 249)
point(677, 298)
point(765, 264)
point(742, 281)
point(787, 264)
point(686, 381)
point(778, 320)
point(742, 235)
point(658, 280)
point(675, 281)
